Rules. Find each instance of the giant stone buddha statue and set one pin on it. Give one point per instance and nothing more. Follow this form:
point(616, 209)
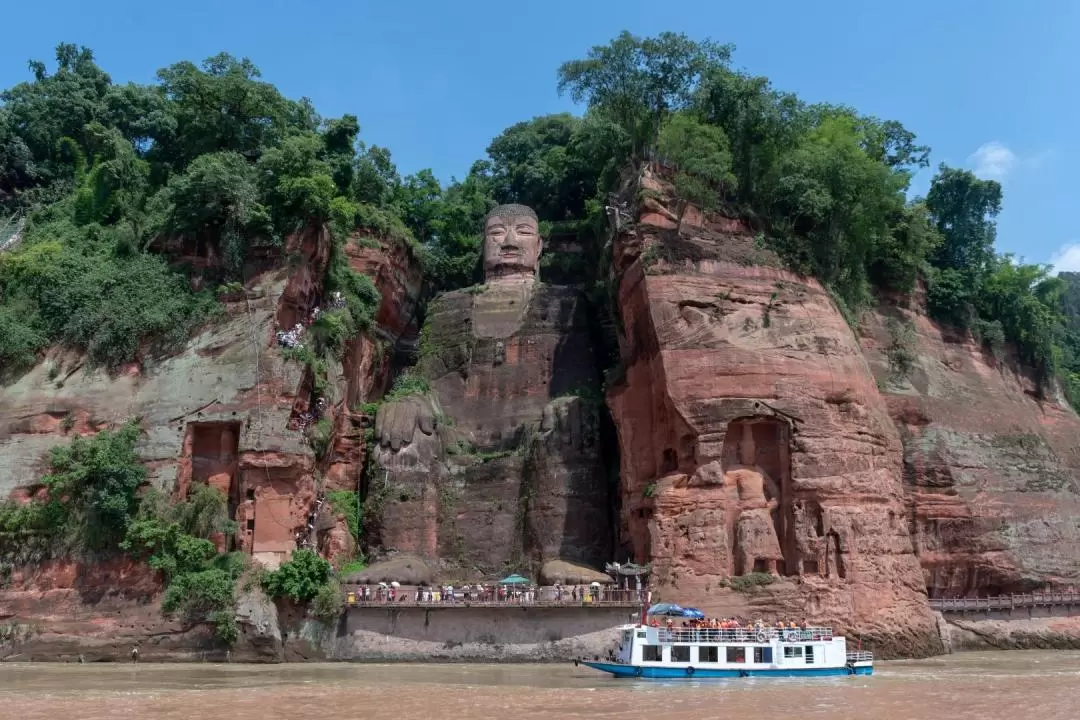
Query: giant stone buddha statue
point(500, 464)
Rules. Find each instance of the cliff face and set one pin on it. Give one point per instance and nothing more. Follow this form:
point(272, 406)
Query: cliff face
point(990, 471)
point(757, 435)
point(501, 467)
point(229, 410)
point(753, 438)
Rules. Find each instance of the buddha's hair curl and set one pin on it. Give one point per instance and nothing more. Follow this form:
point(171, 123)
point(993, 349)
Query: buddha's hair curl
point(511, 210)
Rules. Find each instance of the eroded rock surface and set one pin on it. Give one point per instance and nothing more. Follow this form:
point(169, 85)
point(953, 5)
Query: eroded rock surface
point(991, 470)
point(502, 463)
point(753, 438)
point(225, 411)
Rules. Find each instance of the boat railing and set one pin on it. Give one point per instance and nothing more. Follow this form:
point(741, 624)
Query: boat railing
point(765, 634)
point(860, 656)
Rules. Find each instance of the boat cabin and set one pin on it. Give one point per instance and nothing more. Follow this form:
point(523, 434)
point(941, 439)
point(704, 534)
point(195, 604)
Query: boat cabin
point(732, 649)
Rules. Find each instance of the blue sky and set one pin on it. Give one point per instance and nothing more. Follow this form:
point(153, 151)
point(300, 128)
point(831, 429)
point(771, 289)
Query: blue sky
point(989, 85)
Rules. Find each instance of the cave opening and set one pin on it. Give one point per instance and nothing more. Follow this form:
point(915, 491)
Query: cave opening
point(834, 559)
point(215, 458)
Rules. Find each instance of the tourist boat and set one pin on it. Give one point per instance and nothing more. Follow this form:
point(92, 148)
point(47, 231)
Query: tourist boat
point(658, 652)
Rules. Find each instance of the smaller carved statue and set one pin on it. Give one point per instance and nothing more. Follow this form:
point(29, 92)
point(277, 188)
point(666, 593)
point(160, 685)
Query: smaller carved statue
point(757, 546)
point(808, 543)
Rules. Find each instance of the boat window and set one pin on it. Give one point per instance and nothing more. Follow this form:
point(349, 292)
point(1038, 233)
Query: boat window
point(736, 654)
point(650, 653)
point(792, 652)
point(763, 654)
point(641, 633)
point(708, 654)
point(809, 654)
point(680, 653)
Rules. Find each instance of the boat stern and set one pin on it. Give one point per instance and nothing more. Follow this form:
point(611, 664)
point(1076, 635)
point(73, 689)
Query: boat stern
point(860, 662)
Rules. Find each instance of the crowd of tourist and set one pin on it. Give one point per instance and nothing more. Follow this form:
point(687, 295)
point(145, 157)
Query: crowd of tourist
point(292, 338)
point(311, 416)
point(493, 593)
point(732, 628)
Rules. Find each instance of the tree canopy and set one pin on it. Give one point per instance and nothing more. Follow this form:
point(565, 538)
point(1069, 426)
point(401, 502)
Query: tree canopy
point(100, 171)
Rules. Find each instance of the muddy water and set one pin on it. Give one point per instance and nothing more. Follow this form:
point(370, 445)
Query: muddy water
point(987, 686)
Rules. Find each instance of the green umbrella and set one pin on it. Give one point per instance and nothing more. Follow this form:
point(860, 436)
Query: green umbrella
point(515, 580)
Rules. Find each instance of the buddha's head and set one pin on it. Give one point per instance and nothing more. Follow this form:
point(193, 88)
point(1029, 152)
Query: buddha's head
point(512, 244)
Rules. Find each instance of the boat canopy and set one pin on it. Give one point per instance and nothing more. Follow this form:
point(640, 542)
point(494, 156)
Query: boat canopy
point(666, 609)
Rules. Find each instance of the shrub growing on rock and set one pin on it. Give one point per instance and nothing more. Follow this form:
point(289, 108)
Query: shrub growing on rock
point(299, 578)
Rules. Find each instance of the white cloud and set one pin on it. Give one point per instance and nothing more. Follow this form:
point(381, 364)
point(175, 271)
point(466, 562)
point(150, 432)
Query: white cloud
point(1067, 258)
point(993, 160)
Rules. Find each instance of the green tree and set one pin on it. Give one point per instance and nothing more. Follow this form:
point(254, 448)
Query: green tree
point(224, 107)
point(964, 207)
point(297, 185)
point(216, 198)
point(97, 478)
point(702, 160)
point(832, 206)
point(636, 82)
point(56, 106)
point(298, 578)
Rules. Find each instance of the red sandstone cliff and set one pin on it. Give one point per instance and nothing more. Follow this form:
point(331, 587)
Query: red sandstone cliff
point(227, 410)
point(753, 437)
point(991, 471)
point(756, 434)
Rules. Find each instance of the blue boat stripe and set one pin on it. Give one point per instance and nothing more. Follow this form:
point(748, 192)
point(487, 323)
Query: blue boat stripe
point(619, 670)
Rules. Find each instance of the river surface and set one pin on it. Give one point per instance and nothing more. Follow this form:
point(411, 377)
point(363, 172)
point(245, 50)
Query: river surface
point(987, 686)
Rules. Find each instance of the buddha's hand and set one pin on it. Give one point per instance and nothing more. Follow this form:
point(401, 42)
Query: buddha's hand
point(397, 421)
point(570, 422)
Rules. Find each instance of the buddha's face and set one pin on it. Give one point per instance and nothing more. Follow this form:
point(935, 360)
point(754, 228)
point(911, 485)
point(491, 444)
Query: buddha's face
point(512, 246)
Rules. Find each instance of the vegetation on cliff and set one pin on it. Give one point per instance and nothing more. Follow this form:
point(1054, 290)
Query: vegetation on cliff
point(826, 186)
point(97, 177)
point(94, 504)
point(105, 173)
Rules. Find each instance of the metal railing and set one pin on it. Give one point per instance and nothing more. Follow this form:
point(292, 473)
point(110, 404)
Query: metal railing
point(765, 634)
point(541, 597)
point(860, 656)
point(1007, 602)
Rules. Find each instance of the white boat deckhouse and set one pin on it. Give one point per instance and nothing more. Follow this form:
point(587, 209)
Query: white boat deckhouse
point(662, 652)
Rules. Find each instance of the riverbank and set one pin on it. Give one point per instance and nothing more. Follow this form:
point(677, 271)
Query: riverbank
point(988, 686)
point(973, 633)
point(67, 625)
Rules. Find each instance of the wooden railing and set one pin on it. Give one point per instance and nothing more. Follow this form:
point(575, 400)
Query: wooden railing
point(1007, 602)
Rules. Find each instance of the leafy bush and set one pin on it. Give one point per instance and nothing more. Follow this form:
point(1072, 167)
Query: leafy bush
point(85, 295)
point(96, 479)
point(197, 595)
point(347, 503)
point(299, 578)
point(744, 583)
point(167, 548)
point(328, 603)
point(408, 384)
point(352, 566)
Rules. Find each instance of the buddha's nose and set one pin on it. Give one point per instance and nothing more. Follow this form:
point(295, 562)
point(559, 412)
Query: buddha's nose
point(511, 238)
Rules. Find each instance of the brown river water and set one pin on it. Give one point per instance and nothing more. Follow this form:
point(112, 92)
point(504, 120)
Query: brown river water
point(988, 686)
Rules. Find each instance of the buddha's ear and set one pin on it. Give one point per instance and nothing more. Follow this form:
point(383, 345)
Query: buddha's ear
point(539, 245)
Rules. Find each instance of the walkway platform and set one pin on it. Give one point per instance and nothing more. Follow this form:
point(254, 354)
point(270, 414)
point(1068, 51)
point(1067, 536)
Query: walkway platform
point(1006, 602)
